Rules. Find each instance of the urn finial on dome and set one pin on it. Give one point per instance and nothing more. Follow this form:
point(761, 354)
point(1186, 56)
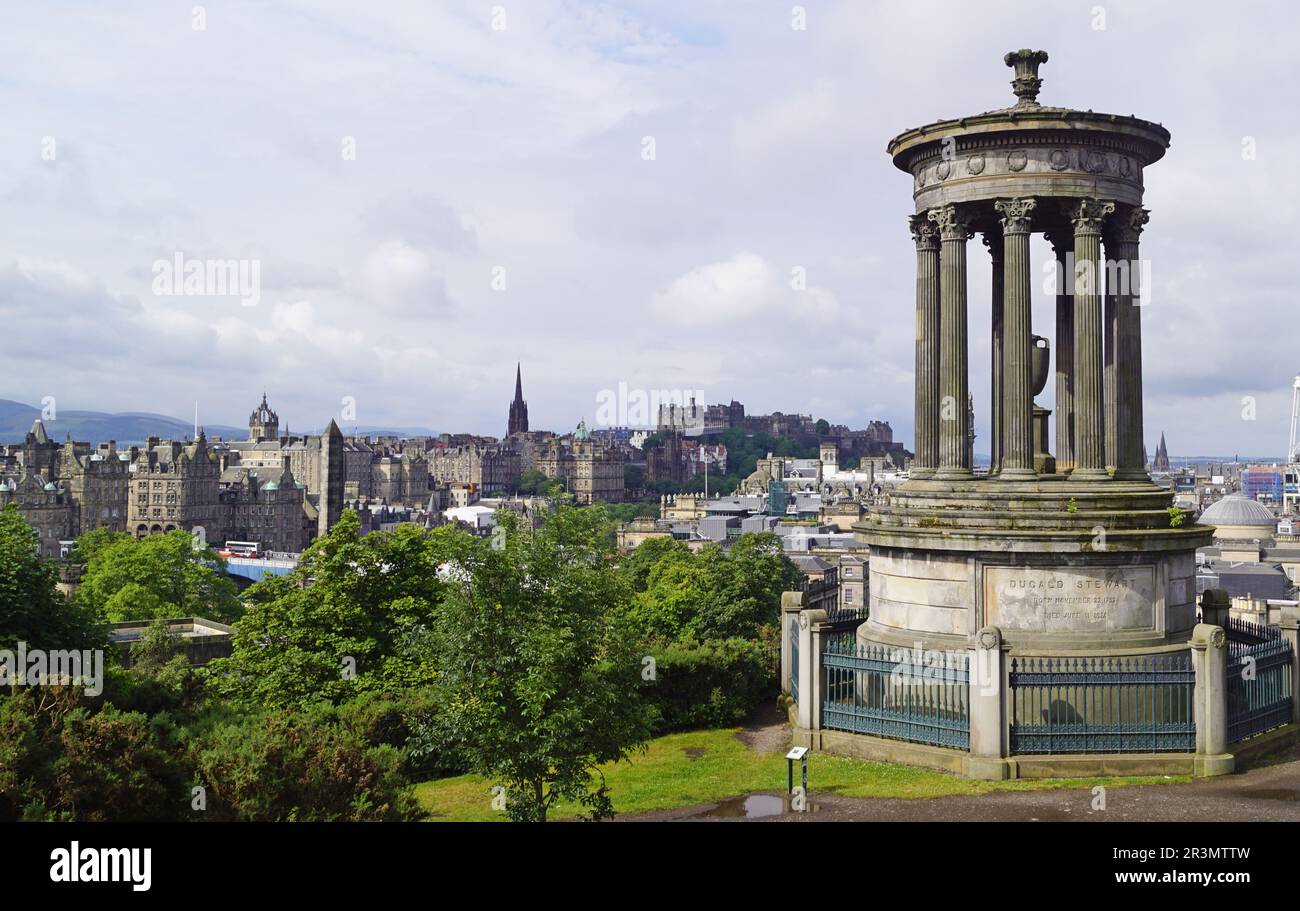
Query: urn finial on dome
point(1026, 84)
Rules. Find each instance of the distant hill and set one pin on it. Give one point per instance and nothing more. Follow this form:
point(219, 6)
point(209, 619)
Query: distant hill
point(137, 426)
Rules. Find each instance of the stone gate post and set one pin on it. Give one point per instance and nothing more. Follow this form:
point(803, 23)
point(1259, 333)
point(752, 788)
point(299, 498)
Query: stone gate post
point(1210, 702)
point(791, 604)
point(810, 668)
point(1290, 624)
point(988, 707)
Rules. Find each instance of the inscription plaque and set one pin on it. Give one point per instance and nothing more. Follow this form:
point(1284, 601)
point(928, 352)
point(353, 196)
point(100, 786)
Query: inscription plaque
point(1069, 599)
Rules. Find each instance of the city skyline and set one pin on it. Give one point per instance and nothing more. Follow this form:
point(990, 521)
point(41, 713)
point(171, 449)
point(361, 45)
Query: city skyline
point(381, 236)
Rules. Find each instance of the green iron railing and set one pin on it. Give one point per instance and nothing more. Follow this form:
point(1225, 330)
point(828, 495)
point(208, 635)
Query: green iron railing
point(874, 689)
point(1139, 704)
point(1259, 686)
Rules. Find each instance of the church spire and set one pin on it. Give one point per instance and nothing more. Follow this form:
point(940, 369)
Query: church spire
point(518, 422)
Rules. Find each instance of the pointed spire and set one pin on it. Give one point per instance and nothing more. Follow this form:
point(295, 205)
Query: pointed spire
point(518, 421)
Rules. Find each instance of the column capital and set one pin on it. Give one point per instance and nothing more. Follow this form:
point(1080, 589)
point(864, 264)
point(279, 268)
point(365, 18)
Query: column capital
point(1126, 226)
point(925, 233)
point(953, 222)
point(1015, 214)
point(1088, 215)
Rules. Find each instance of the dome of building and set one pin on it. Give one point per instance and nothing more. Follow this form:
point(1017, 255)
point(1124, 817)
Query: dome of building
point(1237, 510)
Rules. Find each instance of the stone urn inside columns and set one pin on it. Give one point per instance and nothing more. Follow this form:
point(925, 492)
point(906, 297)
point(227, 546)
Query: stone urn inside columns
point(1044, 461)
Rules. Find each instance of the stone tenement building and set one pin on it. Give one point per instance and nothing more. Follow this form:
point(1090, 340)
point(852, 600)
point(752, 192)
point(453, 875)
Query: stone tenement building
point(45, 505)
point(274, 513)
point(174, 486)
point(64, 490)
point(187, 486)
point(491, 467)
point(248, 491)
point(393, 471)
point(96, 479)
point(529, 445)
point(592, 470)
point(178, 486)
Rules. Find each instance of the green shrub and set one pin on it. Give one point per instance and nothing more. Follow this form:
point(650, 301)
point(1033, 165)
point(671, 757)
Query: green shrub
point(299, 766)
point(386, 719)
point(708, 684)
point(60, 760)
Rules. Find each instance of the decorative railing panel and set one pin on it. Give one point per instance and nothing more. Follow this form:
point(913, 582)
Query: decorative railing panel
point(886, 692)
point(1140, 704)
point(1259, 686)
point(1243, 631)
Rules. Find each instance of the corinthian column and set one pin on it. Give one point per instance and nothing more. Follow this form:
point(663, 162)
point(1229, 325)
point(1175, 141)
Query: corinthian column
point(1109, 388)
point(1087, 216)
point(926, 235)
point(993, 240)
point(1017, 344)
point(954, 420)
point(1122, 250)
point(1063, 246)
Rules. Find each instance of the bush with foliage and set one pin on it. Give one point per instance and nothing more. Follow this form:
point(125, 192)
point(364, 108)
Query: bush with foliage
point(708, 684)
point(299, 766)
point(62, 760)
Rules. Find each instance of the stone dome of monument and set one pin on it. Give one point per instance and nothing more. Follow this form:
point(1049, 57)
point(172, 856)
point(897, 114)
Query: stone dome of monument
point(1237, 516)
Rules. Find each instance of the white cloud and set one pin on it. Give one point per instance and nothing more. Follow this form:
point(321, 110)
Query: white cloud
point(521, 148)
point(744, 294)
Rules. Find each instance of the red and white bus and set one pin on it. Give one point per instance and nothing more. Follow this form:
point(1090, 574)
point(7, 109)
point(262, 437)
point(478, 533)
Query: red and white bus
point(241, 549)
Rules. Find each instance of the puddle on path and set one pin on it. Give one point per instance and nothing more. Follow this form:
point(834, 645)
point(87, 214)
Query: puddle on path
point(753, 806)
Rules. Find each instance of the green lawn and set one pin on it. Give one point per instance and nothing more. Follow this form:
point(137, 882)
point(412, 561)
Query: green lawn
point(679, 770)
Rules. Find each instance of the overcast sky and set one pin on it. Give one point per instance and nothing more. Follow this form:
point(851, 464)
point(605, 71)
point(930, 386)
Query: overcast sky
point(385, 164)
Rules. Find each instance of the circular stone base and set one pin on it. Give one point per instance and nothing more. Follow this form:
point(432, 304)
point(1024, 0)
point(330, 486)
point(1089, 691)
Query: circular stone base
point(1060, 566)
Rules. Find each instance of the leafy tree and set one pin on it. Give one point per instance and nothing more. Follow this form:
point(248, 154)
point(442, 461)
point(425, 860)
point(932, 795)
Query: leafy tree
point(158, 576)
point(626, 512)
point(93, 542)
point(638, 563)
point(343, 621)
point(711, 594)
point(31, 608)
point(533, 483)
point(822, 426)
point(538, 671)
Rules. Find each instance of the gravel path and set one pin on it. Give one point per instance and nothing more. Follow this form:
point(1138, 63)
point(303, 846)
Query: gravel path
point(1267, 792)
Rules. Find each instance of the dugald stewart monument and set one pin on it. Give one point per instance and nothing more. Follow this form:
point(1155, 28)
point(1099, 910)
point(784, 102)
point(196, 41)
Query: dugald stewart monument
point(1068, 551)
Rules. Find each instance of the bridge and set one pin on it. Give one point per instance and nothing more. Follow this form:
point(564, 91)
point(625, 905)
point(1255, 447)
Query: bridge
point(256, 569)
